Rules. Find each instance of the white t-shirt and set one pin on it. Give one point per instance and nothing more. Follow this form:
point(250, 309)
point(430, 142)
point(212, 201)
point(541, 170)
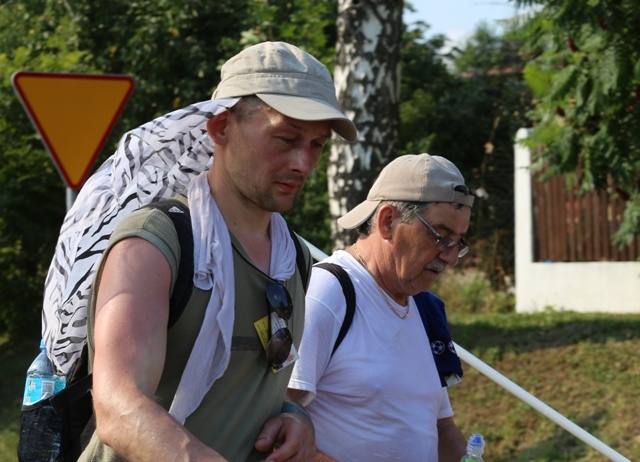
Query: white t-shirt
point(379, 397)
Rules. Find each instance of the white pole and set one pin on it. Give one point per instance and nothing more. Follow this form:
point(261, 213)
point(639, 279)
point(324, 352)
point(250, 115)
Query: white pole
point(316, 253)
point(519, 392)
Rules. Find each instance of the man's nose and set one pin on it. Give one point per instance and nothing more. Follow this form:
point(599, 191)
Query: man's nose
point(449, 256)
point(304, 160)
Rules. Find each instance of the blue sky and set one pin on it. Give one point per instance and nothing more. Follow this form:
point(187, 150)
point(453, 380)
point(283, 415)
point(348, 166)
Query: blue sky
point(458, 18)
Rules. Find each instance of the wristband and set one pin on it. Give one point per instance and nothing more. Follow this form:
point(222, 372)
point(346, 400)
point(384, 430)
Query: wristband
point(293, 407)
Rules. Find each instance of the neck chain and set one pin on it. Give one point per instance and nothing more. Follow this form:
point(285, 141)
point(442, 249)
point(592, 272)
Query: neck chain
point(384, 296)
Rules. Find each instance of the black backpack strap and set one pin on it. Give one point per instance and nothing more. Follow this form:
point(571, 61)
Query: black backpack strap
point(183, 288)
point(74, 407)
point(78, 384)
point(70, 394)
point(349, 295)
point(303, 259)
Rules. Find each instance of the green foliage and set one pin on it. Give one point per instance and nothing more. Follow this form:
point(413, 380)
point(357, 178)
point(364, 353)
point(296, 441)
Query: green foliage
point(424, 79)
point(585, 73)
point(173, 49)
point(308, 24)
point(32, 198)
point(471, 291)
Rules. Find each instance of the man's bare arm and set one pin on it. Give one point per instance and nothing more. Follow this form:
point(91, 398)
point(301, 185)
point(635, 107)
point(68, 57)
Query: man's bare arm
point(130, 343)
point(451, 444)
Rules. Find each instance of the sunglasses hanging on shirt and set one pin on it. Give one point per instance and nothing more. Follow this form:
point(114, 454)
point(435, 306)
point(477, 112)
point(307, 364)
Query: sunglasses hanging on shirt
point(280, 310)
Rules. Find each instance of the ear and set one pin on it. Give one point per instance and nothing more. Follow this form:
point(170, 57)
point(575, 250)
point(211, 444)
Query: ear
point(217, 127)
point(384, 221)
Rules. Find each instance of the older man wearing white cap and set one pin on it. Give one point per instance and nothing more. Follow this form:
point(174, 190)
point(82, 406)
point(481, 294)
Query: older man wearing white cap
point(378, 397)
point(212, 386)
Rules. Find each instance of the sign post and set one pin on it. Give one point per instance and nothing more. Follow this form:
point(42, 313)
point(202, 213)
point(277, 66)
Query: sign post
point(74, 115)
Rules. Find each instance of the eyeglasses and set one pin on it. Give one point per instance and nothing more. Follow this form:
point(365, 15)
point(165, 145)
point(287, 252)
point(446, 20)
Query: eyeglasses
point(279, 345)
point(443, 243)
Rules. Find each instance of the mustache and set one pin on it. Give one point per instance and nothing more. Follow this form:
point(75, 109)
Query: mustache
point(437, 265)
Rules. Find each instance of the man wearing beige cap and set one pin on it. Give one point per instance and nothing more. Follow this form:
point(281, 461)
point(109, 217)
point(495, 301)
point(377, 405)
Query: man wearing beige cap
point(212, 386)
point(378, 396)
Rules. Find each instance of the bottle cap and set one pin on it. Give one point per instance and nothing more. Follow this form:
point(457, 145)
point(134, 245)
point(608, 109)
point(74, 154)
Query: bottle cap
point(476, 443)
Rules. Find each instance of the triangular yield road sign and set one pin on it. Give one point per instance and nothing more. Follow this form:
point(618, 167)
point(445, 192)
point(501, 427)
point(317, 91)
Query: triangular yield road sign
point(74, 114)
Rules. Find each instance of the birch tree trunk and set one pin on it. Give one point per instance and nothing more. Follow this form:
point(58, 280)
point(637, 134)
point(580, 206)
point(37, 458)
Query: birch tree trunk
point(367, 78)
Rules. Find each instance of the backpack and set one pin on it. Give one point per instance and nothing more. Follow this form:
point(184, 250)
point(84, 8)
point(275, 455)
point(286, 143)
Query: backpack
point(54, 429)
point(433, 317)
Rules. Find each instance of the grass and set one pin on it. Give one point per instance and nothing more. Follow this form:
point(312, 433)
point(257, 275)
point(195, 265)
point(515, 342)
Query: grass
point(15, 358)
point(585, 366)
point(582, 365)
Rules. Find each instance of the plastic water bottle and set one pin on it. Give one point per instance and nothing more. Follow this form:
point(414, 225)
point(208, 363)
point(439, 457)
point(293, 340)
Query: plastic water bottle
point(475, 448)
point(42, 382)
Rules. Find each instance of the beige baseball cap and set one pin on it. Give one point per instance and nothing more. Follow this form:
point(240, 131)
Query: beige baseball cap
point(412, 178)
point(289, 80)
